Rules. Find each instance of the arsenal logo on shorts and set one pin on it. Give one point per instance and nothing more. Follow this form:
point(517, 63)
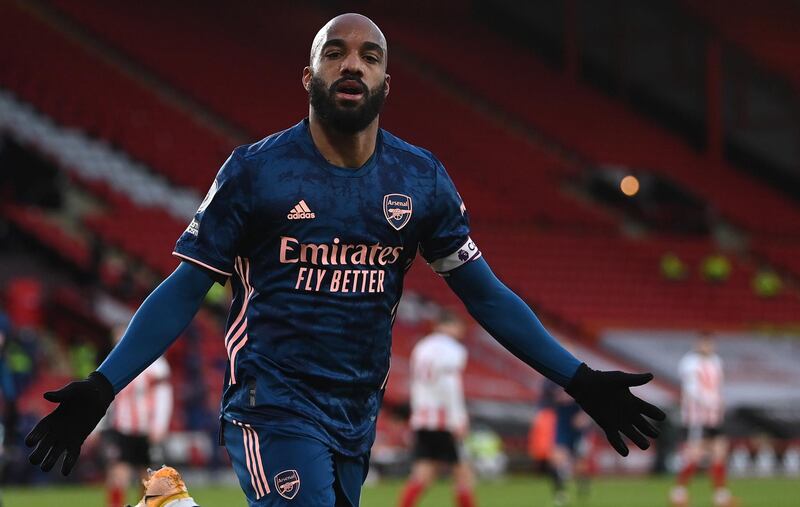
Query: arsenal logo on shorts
point(397, 209)
point(288, 483)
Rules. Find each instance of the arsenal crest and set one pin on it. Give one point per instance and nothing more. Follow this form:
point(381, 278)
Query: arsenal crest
point(397, 209)
point(288, 484)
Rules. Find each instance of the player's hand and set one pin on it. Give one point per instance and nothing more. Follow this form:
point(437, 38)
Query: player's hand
point(606, 397)
point(81, 406)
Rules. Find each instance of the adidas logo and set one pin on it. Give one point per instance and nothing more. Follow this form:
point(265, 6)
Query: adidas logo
point(301, 211)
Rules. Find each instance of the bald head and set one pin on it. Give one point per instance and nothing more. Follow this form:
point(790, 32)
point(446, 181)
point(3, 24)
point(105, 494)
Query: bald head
point(344, 26)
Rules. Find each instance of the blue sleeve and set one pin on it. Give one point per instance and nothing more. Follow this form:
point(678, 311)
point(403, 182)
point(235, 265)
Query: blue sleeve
point(445, 243)
point(157, 323)
point(510, 321)
point(216, 231)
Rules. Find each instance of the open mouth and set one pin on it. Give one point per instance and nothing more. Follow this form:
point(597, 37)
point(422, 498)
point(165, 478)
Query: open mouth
point(349, 90)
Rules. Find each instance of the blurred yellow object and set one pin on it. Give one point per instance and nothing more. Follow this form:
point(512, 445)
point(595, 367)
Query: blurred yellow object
point(767, 283)
point(165, 488)
point(716, 268)
point(216, 295)
point(672, 267)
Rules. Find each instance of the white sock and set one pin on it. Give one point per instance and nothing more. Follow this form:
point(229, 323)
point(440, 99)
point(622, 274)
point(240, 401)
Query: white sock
point(722, 496)
point(679, 494)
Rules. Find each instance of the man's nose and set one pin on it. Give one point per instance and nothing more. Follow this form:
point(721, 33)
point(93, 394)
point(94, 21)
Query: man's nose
point(352, 64)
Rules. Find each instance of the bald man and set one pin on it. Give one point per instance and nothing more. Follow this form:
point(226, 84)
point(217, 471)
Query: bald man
point(315, 227)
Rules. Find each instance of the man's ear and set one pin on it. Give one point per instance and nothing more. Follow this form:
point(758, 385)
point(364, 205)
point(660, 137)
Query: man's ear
point(387, 80)
point(307, 75)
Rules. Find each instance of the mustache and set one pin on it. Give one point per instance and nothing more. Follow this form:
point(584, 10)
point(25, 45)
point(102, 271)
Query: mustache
point(341, 80)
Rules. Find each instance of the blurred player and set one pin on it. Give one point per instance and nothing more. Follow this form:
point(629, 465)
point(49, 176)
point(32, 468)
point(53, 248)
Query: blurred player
point(139, 418)
point(702, 411)
point(561, 421)
point(438, 413)
point(165, 488)
point(315, 227)
point(569, 458)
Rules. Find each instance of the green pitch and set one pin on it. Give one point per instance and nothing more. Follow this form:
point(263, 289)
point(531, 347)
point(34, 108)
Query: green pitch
point(514, 492)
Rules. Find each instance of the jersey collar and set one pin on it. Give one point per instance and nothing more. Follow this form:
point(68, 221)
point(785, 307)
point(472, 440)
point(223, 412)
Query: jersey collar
point(305, 140)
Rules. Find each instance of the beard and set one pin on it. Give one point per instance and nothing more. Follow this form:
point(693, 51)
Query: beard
point(349, 119)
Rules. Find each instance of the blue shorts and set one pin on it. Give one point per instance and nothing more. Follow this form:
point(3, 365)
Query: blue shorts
point(292, 471)
point(567, 436)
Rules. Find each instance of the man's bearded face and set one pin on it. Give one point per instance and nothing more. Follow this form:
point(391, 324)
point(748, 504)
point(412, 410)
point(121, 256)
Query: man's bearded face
point(335, 109)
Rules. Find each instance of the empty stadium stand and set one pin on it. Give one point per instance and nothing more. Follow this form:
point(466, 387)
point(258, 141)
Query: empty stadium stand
point(585, 121)
point(768, 33)
point(77, 88)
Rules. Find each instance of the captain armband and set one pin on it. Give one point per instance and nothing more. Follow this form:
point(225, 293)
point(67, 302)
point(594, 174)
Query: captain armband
point(467, 252)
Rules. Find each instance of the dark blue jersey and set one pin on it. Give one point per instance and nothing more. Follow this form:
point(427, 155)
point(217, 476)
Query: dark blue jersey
point(316, 255)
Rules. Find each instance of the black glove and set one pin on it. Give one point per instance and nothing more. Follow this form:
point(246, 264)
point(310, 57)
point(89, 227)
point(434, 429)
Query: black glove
point(82, 405)
point(606, 397)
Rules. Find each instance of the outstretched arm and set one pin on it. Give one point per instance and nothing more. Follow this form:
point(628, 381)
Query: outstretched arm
point(605, 396)
point(158, 322)
point(510, 321)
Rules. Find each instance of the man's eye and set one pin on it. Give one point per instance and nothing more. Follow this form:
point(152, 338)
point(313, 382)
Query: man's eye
point(371, 59)
point(332, 54)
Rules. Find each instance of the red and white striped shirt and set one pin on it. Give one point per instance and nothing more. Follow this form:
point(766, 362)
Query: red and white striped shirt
point(144, 407)
point(701, 396)
point(437, 393)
